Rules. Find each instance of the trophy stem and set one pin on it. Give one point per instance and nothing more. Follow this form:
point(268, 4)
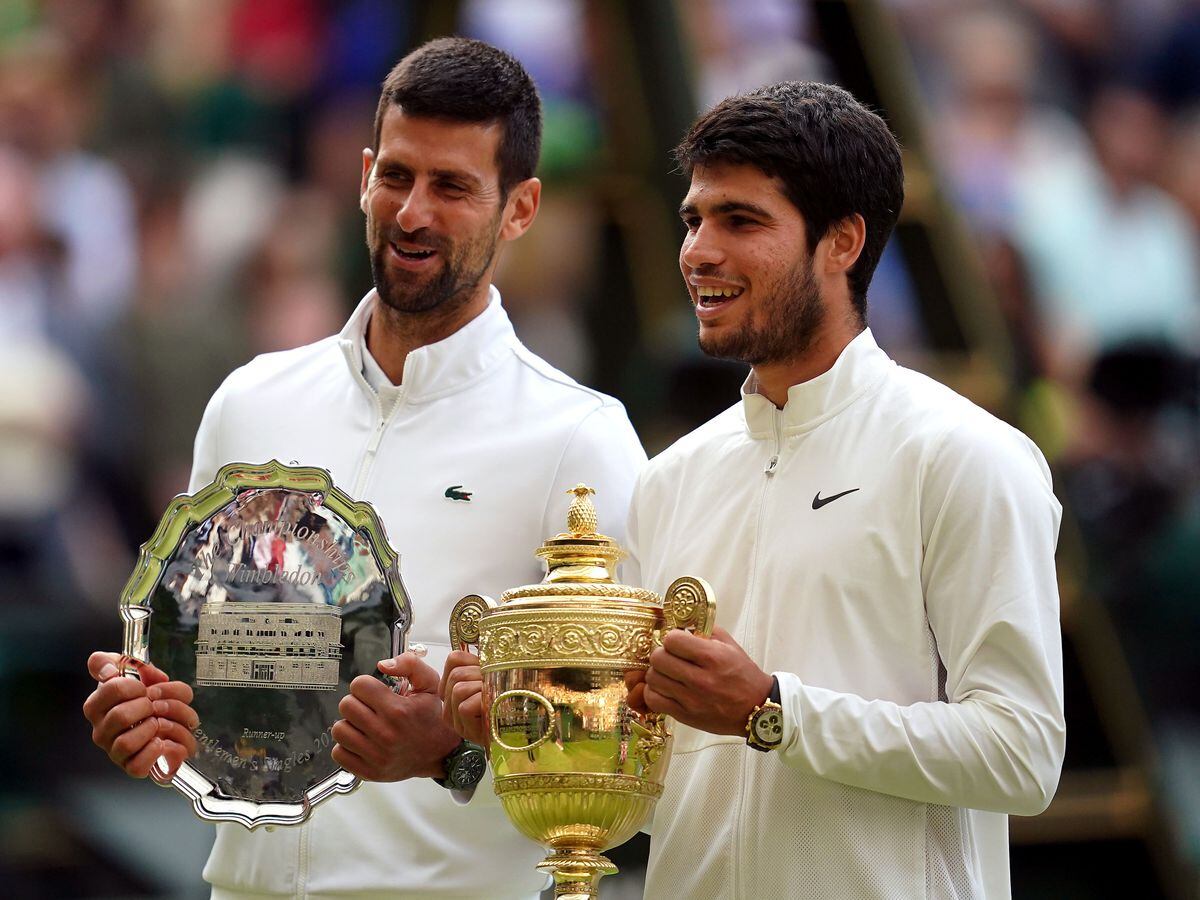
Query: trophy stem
point(577, 873)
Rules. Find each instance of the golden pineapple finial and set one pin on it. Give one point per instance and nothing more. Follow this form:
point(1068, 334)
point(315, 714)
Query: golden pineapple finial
point(581, 517)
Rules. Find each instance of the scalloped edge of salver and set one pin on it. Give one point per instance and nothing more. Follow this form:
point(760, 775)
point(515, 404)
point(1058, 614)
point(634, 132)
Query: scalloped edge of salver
point(188, 510)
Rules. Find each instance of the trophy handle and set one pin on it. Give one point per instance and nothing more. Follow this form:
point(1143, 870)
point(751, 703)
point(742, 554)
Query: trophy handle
point(690, 604)
point(158, 774)
point(529, 695)
point(465, 619)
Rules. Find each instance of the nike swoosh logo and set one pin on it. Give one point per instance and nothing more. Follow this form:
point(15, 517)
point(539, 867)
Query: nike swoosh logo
point(818, 501)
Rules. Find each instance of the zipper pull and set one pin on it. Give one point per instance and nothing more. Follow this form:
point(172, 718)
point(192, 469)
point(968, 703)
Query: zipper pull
point(771, 464)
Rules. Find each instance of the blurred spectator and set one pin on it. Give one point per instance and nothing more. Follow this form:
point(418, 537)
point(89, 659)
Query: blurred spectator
point(1182, 169)
point(292, 296)
point(1113, 257)
point(84, 201)
point(27, 257)
point(41, 414)
point(994, 132)
point(740, 45)
point(42, 403)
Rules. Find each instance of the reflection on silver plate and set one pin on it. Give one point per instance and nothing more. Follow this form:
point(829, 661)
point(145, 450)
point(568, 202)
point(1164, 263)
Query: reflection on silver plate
point(268, 592)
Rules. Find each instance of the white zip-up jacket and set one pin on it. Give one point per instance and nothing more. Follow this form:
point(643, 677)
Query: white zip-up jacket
point(478, 412)
point(886, 548)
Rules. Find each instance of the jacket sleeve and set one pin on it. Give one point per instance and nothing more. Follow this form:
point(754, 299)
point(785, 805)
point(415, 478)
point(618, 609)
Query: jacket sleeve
point(603, 452)
point(995, 739)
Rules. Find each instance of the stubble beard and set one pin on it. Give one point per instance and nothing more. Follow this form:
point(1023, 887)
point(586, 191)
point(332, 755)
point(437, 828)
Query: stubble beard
point(794, 313)
point(451, 289)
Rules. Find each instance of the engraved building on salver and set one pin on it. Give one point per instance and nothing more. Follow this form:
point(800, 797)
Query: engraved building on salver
point(269, 645)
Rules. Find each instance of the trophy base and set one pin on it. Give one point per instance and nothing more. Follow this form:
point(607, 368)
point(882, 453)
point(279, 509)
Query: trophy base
point(577, 873)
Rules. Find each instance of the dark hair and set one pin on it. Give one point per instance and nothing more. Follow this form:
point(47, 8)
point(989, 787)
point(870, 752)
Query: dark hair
point(465, 80)
point(834, 156)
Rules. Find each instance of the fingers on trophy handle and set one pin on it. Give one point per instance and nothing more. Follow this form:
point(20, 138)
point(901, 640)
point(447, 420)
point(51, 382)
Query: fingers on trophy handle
point(494, 718)
point(690, 604)
point(465, 618)
point(130, 666)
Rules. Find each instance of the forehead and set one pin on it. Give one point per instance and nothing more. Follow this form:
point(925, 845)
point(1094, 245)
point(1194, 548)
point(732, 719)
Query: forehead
point(717, 184)
point(421, 143)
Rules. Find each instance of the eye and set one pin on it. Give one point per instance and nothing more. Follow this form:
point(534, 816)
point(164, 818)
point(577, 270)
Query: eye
point(740, 221)
point(692, 222)
point(453, 187)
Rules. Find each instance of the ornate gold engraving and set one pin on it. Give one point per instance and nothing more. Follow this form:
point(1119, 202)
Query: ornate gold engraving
point(571, 781)
point(688, 603)
point(541, 643)
point(575, 767)
point(465, 619)
point(613, 591)
point(652, 738)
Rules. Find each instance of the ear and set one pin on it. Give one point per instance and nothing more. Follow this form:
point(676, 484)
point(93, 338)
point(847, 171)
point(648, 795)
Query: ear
point(521, 209)
point(368, 162)
point(843, 244)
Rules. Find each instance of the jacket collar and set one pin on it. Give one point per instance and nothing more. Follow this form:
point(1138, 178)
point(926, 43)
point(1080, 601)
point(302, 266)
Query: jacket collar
point(858, 368)
point(445, 367)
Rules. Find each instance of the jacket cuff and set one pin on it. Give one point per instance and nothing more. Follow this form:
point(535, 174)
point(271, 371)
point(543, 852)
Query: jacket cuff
point(790, 689)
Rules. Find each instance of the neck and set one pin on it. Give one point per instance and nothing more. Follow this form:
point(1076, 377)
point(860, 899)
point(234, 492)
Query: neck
point(392, 334)
point(773, 379)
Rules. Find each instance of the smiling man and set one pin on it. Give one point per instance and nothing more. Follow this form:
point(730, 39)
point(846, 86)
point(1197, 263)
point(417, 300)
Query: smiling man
point(427, 405)
point(887, 684)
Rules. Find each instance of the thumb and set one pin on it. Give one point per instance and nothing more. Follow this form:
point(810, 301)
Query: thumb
point(103, 665)
point(423, 677)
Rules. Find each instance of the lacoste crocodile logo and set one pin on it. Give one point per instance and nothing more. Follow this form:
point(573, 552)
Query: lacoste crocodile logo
point(453, 493)
point(819, 501)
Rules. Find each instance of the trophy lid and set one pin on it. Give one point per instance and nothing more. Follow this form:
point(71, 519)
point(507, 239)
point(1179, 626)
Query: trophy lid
point(580, 560)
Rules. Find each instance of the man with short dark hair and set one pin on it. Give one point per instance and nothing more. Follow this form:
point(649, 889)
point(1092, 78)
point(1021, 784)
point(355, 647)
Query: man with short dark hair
point(882, 552)
point(887, 682)
point(427, 405)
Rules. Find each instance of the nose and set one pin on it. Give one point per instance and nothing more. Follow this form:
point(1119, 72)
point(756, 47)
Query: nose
point(417, 209)
point(700, 248)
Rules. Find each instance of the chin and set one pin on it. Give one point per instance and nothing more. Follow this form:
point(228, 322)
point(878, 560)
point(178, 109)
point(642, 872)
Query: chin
point(719, 349)
point(411, 306)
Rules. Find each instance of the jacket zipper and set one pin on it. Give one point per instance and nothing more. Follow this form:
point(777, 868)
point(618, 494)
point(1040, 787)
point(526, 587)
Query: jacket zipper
point(768, 476)
point(302, 862)
point(368, 460)
point(360, 482)
point(773, 462)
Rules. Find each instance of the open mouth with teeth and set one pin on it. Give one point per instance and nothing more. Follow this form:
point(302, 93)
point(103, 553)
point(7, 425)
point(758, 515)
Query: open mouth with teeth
point(709, 297)
point(414, 255)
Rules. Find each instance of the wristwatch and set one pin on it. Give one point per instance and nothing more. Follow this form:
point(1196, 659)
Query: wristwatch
point(764, 727)
point(464, 767)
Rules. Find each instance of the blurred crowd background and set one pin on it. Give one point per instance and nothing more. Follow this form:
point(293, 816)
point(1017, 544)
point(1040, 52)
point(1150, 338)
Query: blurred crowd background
point(178, 192)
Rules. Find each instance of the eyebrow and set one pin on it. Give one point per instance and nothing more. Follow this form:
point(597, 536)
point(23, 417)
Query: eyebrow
point(729, 206)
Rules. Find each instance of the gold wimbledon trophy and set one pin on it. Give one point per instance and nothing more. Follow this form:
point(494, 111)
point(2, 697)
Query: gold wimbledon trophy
point(575, 768)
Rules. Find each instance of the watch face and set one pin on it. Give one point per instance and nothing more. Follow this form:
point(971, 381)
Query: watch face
point(469, 768)
point(768, 726)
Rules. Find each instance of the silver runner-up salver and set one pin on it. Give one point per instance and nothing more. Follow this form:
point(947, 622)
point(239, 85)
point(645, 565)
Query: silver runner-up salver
point(268, 592)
